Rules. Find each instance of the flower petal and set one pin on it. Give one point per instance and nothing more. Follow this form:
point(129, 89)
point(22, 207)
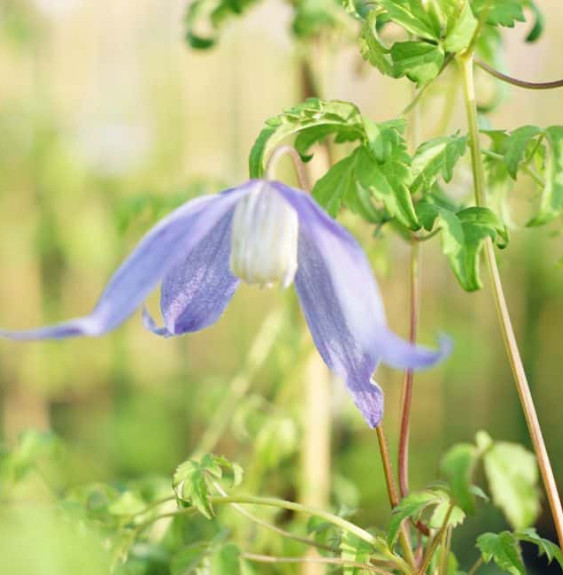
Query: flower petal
point(343, 306)
point(197, 290)
point(156, 254)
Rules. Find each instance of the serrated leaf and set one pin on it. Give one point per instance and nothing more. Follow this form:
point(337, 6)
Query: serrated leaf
point(434, 158)
point(412, 507)
point(372, 48)
point(545, 547)
point(504, 550)
point(512, 474)
point(463, 234)
point(515, 146)
point(458, 466)
point(388, 182)
point(419, 61)
point(206, 18)
point(457, 515)
point(552, 194)
point(459, 36)
point(341, 117)
point(411, 15)
point(500, 12)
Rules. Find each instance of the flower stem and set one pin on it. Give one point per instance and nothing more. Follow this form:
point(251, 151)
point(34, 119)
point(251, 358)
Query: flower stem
point(414, 296)
point(522, 386)
point(515, 81)
point(392, 493)
point(298, 164)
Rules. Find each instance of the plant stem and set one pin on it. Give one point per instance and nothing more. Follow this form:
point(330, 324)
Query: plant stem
point(392, 493)
point(414, 298)
point(300, 169)
point(321, 560)
point(433, 545)
point(526, 168)
point(275, 528)
point(517, 366)
point(515, 81)
point(476, 566)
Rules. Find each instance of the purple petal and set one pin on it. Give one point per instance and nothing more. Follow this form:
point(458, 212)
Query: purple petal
point(196, 292)
point(343, 306)
point(157, 253)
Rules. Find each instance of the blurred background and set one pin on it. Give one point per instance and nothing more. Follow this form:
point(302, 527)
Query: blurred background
point(107, 121)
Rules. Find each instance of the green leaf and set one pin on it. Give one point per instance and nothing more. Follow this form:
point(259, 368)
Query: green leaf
point(504, 550)
point(458, 466)
point(418, 61)
point(372, 48)
point(206, 18)
point(191, 481)
point(463, 234)
point(515, 146)
point(434, 158)
point(545, 547)
point(411, 15)
point(354, 549)
point(552, 194)
point(412, 507)
point(457, 515)
point(389, 182)
point(537, 28)
point(343, 118)
point(512, 474)
point(459, 36)
point(500, 12)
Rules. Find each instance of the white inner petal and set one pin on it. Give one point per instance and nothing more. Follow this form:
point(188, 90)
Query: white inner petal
point(264, 238)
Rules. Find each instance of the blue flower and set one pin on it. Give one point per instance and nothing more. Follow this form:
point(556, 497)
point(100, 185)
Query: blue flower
point(262, 233)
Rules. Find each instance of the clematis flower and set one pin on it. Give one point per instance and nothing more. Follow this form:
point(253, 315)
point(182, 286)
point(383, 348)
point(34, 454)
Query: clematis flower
point(263, 233)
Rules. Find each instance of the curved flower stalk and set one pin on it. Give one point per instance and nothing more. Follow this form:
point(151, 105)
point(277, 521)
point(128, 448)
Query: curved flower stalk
point(261, 232)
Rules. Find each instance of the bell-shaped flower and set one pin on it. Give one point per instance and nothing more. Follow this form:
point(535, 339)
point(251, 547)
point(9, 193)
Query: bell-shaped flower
point(261, 232)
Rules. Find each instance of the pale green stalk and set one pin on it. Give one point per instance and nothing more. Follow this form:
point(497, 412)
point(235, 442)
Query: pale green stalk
point(522, 386)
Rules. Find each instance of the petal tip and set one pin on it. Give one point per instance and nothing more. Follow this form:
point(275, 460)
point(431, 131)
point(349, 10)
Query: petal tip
point(370, 401)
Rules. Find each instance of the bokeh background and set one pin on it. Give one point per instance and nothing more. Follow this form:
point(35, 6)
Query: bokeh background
point(108, 120)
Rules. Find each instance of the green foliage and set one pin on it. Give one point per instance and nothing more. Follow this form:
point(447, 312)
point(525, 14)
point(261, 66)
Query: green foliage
point(463, 233)
point(458, 466)
point(536, 152)
point(504, 550)
point(313, 120)
point(436, 503)
point(206, 18)
point(436, 157)
point(512, 474)
point(193, 480)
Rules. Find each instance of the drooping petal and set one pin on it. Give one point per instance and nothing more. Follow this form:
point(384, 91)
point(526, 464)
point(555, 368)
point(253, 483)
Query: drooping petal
point(198, 289)
point(157, 253)
point(343, 306)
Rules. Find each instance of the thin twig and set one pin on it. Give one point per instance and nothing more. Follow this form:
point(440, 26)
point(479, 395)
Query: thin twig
point(476, 566)
point(393, 494)
point(515, 81)
point(325, 560)
point(275, 528)
point(414, 299)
